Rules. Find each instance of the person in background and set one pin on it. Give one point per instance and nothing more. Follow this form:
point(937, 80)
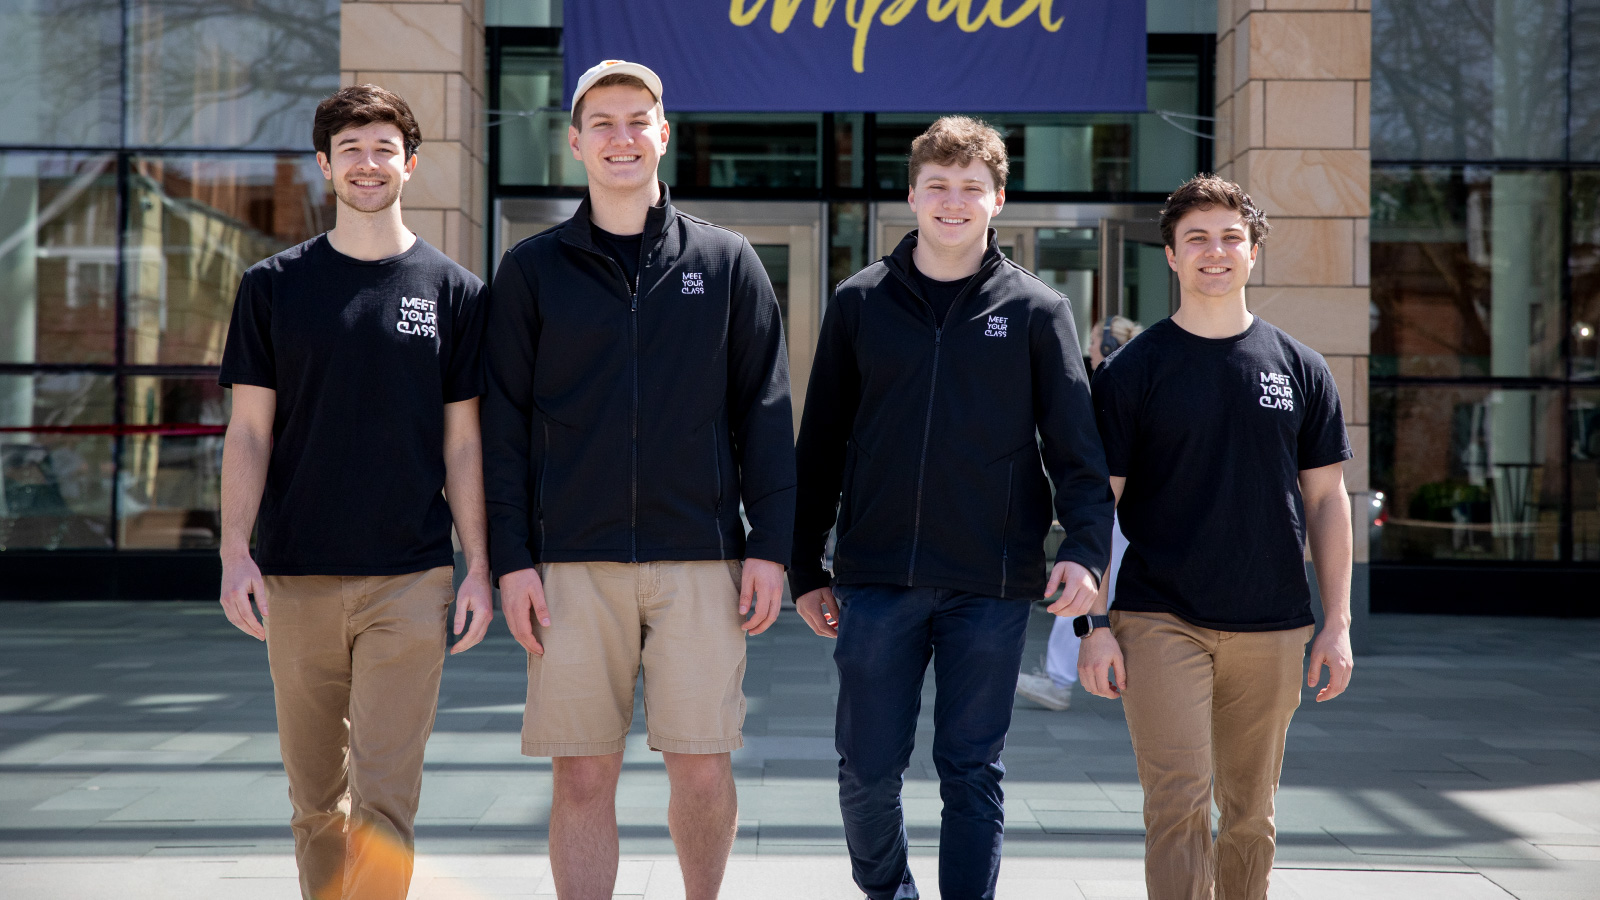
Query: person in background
point(1052, 688)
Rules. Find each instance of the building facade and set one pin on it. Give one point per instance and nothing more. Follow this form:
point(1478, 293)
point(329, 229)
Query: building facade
point(1430, 166)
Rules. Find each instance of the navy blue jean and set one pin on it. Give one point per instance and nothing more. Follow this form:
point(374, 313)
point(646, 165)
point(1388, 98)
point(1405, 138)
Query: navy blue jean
point(887, 634)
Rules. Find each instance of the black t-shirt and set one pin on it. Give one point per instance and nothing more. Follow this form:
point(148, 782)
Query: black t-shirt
point(363, 356)
point(624, 248)
point(941, 295)
point(1212, 435)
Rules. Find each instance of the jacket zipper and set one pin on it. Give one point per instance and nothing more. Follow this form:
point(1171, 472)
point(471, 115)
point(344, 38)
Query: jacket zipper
point(933, 387)
point(1005, 527)
point(716, 467)
point(544, 466)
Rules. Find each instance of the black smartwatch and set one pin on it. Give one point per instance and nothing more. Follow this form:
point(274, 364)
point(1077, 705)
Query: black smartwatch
point(1083, 626)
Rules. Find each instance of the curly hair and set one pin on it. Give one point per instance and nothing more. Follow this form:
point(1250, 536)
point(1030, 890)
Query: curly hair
point(1206, 191)
point(958, 140)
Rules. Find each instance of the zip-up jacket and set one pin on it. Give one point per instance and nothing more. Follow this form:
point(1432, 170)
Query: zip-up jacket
point(625, 423)
point(939, 438)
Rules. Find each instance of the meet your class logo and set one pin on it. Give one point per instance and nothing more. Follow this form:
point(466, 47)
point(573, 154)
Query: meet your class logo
point(969, 15)
point(418, 317)
point(1276, 391)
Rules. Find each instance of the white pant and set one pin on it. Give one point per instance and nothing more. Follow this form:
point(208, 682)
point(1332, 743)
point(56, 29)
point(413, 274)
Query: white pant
point(1061, 655)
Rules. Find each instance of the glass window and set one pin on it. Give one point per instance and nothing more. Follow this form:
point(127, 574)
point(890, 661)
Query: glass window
point(195, 225)
point(229, 73)
point(1069, 261)
point(1584, 428)
point(1585, 141)
point(61, 63)
point(523, 13)
point(1467, 473)
point(745, 150)
point(1080, 153)
point(55, 461)
point(849, 148)
point(532, 125)
point(1466, 273)
point(171, 471)
point(1585, 268)
point(1469, 79)
point(58, 258)
point(847, 242)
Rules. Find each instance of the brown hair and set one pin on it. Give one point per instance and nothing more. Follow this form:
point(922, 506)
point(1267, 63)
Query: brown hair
point(615, 79)
point(957, 141)
point(1206, 191)
point(363, 104)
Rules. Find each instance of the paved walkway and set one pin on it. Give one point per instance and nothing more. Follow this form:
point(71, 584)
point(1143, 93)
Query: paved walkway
point(138, 758)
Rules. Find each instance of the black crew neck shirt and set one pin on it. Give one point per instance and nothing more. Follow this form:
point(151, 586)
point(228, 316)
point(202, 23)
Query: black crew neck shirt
point(624, 248)
point(363, 356)
point(941, 295)
point(1212, 435)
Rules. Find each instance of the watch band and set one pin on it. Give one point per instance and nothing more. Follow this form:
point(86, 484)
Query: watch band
point(1083, 626)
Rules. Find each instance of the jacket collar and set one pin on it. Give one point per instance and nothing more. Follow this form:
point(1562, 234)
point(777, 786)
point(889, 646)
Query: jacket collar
point(899, 261)
point(657, 221)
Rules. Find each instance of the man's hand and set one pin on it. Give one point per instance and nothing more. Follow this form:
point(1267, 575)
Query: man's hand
point(475, 598)
point(1332, 649)
point(241, 579)
point(1078, 589)
point(1098, 653)
point(522, 599)
point(761, 588)
point(820, 611)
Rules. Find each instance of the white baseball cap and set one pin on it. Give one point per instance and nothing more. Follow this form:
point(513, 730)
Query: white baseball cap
point(617, 67)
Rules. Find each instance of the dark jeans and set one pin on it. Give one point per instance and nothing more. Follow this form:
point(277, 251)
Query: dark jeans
point(886, 636)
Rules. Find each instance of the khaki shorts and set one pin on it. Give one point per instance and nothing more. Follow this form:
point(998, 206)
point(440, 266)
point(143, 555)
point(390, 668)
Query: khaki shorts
point(679, 620)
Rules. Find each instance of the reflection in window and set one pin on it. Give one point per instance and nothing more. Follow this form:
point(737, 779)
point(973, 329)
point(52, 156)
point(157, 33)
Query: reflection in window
point(1584, 428)
point(194, 226)
point(1466, 273)
point(60, 62)
point(1467, 473)
point(58, 258)
point(775, 259)
point(1585, 140)
point(172, 463)
point(746, 150)
point(229, 73)
point(847, 241)
point(1585, 268)
point(531, 123)
point(1469, 79)
point(55, 461)
point(1069, 261)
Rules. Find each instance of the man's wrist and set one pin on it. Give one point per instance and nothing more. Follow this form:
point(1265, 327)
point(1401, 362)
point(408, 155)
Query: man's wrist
point(234, 551)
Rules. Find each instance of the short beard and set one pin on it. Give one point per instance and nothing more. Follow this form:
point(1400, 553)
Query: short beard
point(387, 200)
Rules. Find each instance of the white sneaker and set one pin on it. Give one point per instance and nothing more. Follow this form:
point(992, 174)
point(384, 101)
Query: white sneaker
point(1041, 690)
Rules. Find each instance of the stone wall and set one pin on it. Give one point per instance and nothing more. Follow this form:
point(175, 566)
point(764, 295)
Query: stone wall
point(431, 53)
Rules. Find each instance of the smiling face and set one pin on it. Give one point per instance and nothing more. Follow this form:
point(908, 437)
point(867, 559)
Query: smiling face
point(622, 138)
point(368, 166)
point(954, 204)
point(1213, 254)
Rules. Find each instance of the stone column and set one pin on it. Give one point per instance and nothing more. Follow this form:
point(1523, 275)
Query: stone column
point(1293, 87)
point(431, 53)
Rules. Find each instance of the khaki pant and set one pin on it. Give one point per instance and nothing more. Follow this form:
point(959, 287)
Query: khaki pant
point(1208, 708)
point(355, 665)
point(678, 621)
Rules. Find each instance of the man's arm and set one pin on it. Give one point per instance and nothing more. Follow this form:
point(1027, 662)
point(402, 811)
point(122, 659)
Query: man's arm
point(510, 341)
point(463, 488)
point(1100, 653)
point(832, 398)
point(246, 450)
point(1329, 534)
point(762, 422)
point(1073, 457)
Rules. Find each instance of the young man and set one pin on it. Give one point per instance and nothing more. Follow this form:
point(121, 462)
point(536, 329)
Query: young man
point(354, 364)
point(638, 390)
point(937, 367)
point(1225, 441)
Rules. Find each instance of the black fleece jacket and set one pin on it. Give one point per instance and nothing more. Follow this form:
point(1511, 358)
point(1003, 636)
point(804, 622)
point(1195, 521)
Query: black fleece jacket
point(627, 427)
point(933, 435)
